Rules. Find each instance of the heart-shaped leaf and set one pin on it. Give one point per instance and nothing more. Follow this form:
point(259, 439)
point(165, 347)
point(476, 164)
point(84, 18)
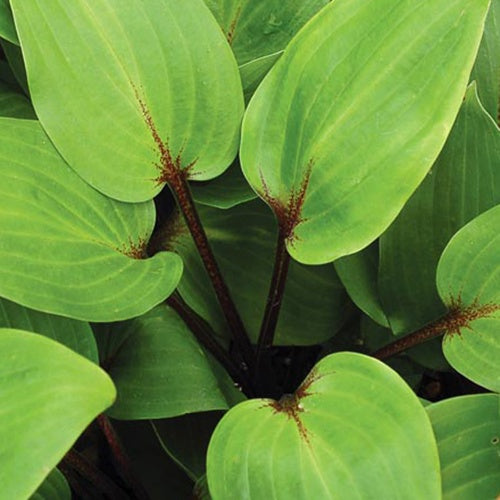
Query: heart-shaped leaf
point(328, 440)
point(152, 87)
point(55, 487)
point(77, 335)
point(487, 66)
point(354, 113)
point(468, 281)
point(158, 368)
point(243, 240)
point(65, 248)
point(48, 395)
point(467, 430)
point(463, 183)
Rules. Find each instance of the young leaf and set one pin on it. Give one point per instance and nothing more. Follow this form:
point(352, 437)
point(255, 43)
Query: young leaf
point(328, 440)
point(158, 368)
point(77, 335)
point(354, 113)
point(467, 430)
point(55, 487)
point(48, 395)
point(243, 240)
point(65, 248)
point(152, 86)
point(468, 281)
point(486, 70)
point(464, 182)
point(359, 274)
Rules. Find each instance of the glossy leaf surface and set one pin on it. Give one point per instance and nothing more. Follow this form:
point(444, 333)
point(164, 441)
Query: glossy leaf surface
point(468, 280)
point(158, 368)
point(467, 430)
point(48, 396)
point(243, 239)
point(353, 115)
point(77, 335)
point(65, 248)
point(329, 440)
point(464, 182)
point(125, 73)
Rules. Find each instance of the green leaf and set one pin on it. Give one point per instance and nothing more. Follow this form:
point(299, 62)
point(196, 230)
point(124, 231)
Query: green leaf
point(185, 439)
point(354, 113)
point(76, 335)
point(253, 72)
point(486, 70)
point(467, 430)
point(7, 27)
point(359, 274)
point(243, 239)
point(48, 396)
point(126, 74)
point(16, 62)
point(464, 182)
point(227, 191)
point(328, 440)
point(14, 104)
point(158, 368)
point(257, 28)
point(65, 248)
point(55, 487)
point(468, 281)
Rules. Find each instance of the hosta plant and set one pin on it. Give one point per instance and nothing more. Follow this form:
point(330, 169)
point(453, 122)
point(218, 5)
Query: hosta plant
point(250, 249)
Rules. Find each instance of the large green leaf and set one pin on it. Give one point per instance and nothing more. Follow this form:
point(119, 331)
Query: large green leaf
point(257, 28)
point(243, 239)
point(48, 396)
point(354, 113)
point(77, 335)
point(486, 70)
point(468, 281)
point(464, 182)
point(359, 274)
point(14, 104)
point(147, 85)
point(467, 430)
point(354, 429)
point(7, 27)
point(55, 487)
point(65, 248)
point(158, 368)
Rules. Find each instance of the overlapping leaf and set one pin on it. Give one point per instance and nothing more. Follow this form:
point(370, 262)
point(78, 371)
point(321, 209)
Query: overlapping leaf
point(55, 487)
point(464, 182)
point(468, 436)
point(77, 335)
point(328, 440)
point(7, 28)
point(124, 74)
point(14, 104)
point(468, 281)
point(159, 368)
point(65, 248)
point(48, 395)
point(243, 239)
point(354, 113)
